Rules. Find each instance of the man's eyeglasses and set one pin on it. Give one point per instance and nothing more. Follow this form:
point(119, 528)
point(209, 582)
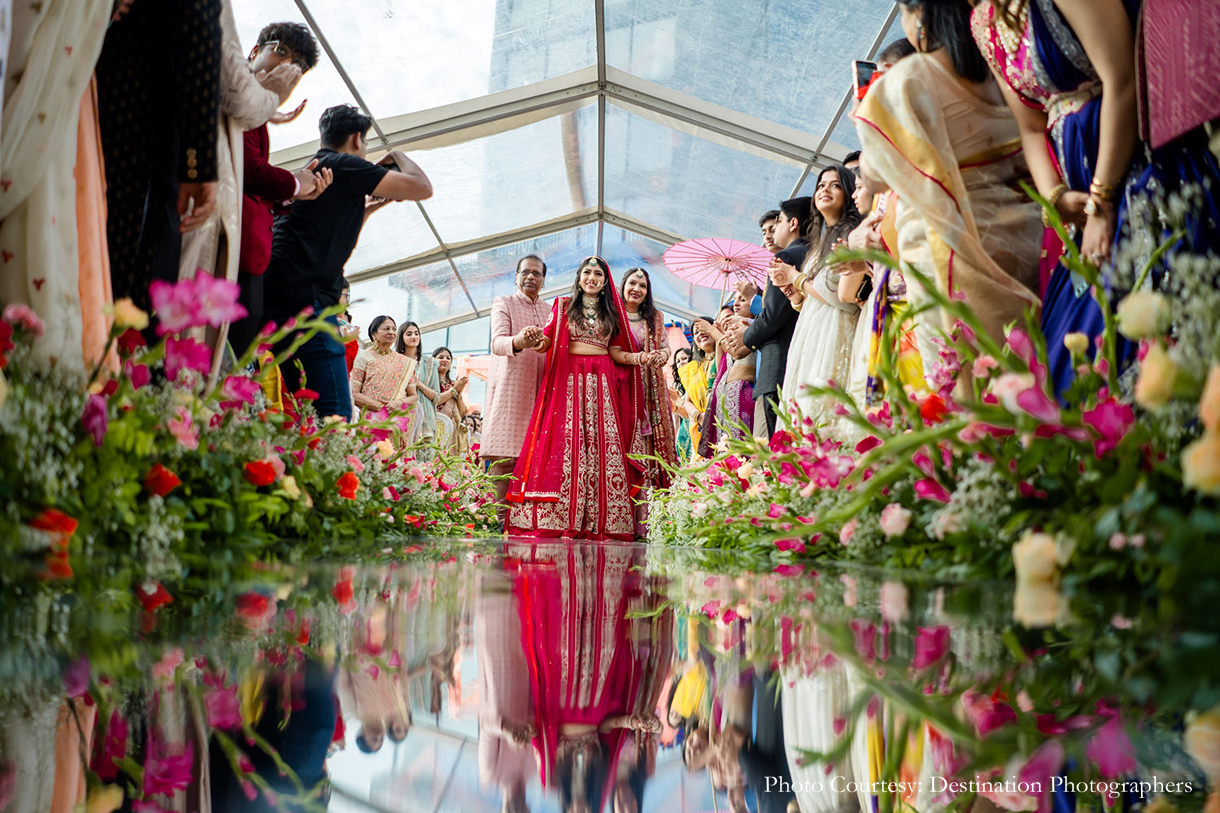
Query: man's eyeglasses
point(284, 52)
point(529, 272)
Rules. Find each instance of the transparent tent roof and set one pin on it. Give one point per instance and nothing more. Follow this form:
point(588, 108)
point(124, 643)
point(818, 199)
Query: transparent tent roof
point(574, 127)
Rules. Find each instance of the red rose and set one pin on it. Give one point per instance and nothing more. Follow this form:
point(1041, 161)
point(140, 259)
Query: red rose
point(6, 343)
point(253, 606)
point(160, 480)
point(305, 395)
point(131, 340)
point(259, 473)
point(933, 409)
point(59, 527)
point(302, 636)
point(342, 591)
point(153, 595)
point(348, 484)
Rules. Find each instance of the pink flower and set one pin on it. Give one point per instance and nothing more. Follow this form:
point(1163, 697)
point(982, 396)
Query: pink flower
point(223, 710)
point(894, 601)
point(417, 473)
point(23, 316)
point(217, 299)
point(1111, 420)
point(1048, 725)
point(240, 389)
point(355, 463)
point(195, 302)
point(1027, 490)
point(138, 373)
point(1038, 770)
point(931, 644)
point(1037, 403)
point(789, 570)
point(167, 773)
point(986, 712)
point(186, 354)
point(848, 531)
point(982, 365)
point(929, 489)
point(76, 676)
point(776, 511)
point(868, 443)
point(849, 590)
point(865, 635)
point(791, 543)
point(923, 462)
point(183, 429)
point(114, 746)
point(164, 668)
point(94, 418)
point(781, 442)
point(1111, 750)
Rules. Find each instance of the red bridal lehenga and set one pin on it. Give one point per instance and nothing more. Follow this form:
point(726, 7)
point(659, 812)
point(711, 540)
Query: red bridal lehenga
point(587, 661)
point(573, 478)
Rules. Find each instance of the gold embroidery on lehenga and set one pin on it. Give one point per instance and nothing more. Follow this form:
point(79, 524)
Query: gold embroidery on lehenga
point(617, 561)
point(620, 518)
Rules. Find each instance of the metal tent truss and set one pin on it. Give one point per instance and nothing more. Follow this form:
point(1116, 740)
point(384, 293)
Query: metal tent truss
point(602, 85)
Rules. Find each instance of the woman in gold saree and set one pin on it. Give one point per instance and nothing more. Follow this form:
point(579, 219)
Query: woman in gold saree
point(383, 379)
point(936, 130)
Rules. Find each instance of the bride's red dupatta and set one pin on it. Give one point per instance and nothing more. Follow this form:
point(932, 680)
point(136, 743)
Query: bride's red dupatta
point(539, 472)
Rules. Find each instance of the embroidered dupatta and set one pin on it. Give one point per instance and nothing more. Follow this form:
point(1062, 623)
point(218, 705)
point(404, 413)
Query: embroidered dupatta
point(657, 410)
point(538, 475)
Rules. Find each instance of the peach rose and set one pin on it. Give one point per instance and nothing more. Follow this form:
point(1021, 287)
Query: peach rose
point(1209, 403)
point(1202, 742)
point(1201, 464)
point(1035, 558)
point(1154, 387)
point(1037, 604)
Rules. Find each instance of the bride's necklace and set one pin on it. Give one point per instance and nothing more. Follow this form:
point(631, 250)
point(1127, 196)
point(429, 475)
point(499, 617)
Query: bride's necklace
point(590, 306)
point(1011, 35)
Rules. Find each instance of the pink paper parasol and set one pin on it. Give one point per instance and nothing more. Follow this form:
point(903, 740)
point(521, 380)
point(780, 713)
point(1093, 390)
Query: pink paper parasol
point(712, 261)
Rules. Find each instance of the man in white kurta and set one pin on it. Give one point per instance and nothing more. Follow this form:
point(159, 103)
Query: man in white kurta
point(516, 370)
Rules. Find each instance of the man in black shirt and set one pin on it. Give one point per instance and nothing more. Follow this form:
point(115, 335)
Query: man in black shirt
point(313, 242)
point(771, 333)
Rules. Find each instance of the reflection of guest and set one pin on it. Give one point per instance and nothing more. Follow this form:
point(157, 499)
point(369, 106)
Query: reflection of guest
point(299, 723)
point(505, 711)
point(574, 478)
point(514, 375)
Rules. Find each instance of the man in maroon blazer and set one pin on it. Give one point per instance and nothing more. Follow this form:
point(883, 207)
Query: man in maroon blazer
point(269, 189)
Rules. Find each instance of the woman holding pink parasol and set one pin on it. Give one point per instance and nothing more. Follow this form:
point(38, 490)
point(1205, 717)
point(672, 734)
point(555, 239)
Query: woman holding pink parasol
point(573, 478)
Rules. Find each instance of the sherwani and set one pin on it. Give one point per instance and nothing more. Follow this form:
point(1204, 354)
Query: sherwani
point(514, 376)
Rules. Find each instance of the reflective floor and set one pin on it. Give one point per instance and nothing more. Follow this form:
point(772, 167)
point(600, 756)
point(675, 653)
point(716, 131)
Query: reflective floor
point(583, 677)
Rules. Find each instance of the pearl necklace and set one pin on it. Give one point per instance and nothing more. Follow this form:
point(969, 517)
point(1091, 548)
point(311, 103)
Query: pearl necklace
point(1010, 36)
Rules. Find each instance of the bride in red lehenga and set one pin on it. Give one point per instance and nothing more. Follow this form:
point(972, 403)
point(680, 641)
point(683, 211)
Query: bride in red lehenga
point(573, 478)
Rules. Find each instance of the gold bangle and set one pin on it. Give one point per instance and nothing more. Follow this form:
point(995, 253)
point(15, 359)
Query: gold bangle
point(1103, 192)
point(1053, 200)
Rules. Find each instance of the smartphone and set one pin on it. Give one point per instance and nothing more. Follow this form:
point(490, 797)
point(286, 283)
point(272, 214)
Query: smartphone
point(862, 73)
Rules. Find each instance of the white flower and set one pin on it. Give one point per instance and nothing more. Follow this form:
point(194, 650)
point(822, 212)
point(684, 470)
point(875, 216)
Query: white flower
point(1076, 343)
point(1144, 315)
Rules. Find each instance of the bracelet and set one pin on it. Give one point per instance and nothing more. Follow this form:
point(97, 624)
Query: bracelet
point(1103, 192)
point(1053, 200)
point(799, 282)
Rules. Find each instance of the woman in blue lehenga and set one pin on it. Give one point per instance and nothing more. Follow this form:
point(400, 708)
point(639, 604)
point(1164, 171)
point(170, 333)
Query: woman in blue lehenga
point(1067, 69)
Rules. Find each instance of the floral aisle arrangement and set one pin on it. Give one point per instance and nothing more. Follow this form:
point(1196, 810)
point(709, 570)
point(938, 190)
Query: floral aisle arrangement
point(146, 470)
point(1109, 702)
point(990, 475)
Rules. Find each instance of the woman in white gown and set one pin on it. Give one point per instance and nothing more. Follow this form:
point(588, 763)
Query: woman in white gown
point(826, 297)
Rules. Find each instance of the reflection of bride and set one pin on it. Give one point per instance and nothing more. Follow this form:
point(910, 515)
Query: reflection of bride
point(586, 675)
